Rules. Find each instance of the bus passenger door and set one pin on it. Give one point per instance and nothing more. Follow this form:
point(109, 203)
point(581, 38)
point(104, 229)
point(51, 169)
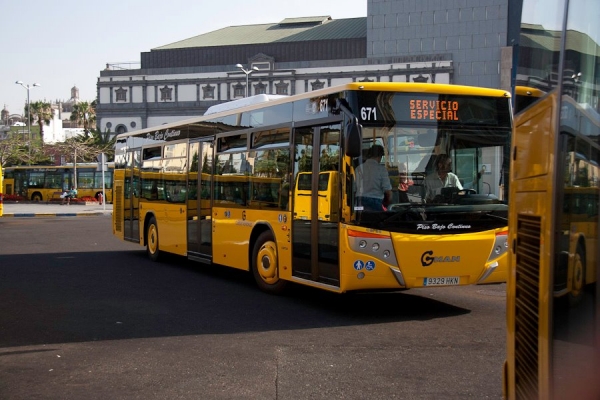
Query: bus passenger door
point(199, 218)
point(315, 217)
point(131, 194)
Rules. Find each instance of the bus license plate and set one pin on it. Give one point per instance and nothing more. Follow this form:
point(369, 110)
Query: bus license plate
point(442, 281)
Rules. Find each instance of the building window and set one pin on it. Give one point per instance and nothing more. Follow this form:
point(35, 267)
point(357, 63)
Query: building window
point(121, 94)
point(121, 129)
point(260, 88)
point(281, 88)
point(208, 92)
point(262, 65)
point(166, 93)
point(239, 90)
point(317, 85)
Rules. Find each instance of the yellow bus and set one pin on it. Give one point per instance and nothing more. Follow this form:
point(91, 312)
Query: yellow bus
point(553, 305)
point(328, 203)
point(301, 153)
point(45, 183)
point(1, 192)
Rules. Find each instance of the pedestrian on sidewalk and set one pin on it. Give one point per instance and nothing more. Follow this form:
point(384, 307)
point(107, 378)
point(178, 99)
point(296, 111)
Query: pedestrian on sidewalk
point(67, 196)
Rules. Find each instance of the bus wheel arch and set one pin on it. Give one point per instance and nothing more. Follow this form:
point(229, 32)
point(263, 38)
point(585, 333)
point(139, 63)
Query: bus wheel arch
point(264, 261)
point(151, 238)
point(36, 196)
point(578, 274)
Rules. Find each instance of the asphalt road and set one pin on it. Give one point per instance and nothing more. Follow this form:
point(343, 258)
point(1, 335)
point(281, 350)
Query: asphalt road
point(84, 315)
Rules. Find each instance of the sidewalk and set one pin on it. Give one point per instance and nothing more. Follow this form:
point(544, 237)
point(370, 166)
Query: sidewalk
point(42, 209)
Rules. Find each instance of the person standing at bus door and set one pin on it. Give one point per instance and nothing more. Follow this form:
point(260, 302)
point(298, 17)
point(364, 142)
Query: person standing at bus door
point(441, 178)
point(404, 183)
point(374, 189)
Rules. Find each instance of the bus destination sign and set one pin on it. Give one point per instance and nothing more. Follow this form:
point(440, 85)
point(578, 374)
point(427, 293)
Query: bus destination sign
point(433, 110)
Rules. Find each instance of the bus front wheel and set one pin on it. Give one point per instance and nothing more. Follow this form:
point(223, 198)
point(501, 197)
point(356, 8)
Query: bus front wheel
point(152, 240)
point(265, 264)
point(36, 197)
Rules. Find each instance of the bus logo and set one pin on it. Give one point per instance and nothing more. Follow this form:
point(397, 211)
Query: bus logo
point(428, 258)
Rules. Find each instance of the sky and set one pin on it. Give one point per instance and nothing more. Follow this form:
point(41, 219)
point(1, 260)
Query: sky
point(64, 44)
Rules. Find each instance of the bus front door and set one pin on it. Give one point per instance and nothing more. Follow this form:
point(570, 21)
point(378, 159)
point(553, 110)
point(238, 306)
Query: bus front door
point(315, 217)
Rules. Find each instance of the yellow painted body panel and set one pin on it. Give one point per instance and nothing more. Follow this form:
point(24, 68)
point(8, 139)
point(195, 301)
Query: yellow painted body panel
point(456, 255)
point(171, 220)
point(232, 228)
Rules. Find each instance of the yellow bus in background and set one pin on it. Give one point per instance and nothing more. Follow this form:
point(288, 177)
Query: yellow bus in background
point(44, 183)
point(270, 188)
point(1, 192)
point(328, 198)
point(553, 304)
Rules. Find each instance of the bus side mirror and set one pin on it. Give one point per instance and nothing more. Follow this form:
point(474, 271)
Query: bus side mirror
point(353, 139)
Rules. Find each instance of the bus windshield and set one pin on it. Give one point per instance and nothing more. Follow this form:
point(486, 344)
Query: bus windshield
point(443, 176)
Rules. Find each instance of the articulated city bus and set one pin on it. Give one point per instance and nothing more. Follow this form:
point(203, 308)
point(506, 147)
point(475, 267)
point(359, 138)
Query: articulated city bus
point(553, 305)
point(271, 188)
point(42, 182)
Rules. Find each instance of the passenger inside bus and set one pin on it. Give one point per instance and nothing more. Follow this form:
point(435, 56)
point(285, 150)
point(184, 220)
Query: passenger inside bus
point(404, 183)
point(374, 189)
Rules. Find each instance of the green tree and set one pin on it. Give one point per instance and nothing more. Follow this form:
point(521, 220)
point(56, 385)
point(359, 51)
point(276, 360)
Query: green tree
point(41, 113)
point(83, 149)
point(84, 113)
point(13, 151)
point(104, 142)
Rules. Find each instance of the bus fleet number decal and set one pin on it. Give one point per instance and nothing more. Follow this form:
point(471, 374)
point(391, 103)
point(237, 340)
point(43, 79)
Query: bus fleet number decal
point(368, 113)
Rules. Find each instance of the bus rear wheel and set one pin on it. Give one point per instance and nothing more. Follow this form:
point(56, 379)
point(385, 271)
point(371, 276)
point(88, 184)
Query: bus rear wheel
point(152, 240)
point(36, 197)
point(265, 264)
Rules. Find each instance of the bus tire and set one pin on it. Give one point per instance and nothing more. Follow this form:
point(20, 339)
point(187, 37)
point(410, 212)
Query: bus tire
point(265, 264)
point(577, 277)
point(152, 240)
point(37, 197)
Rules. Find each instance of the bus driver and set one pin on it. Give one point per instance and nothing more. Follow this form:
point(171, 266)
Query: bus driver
point(441, 178)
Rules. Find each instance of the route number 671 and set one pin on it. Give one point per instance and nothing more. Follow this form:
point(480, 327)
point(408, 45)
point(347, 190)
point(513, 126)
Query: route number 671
point(368, 113)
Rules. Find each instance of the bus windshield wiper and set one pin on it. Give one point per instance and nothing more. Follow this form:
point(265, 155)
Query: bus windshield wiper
point(404, 211)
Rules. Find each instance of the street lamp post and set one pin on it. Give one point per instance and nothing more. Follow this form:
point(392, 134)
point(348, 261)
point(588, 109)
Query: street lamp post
point(27, 87)
point(247, 72)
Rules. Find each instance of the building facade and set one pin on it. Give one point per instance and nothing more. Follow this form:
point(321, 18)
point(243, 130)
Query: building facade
point(458, 41)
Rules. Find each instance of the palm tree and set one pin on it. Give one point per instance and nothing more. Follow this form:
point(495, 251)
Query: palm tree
point(84, 113)
point(104, 142)
point(41, 113)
